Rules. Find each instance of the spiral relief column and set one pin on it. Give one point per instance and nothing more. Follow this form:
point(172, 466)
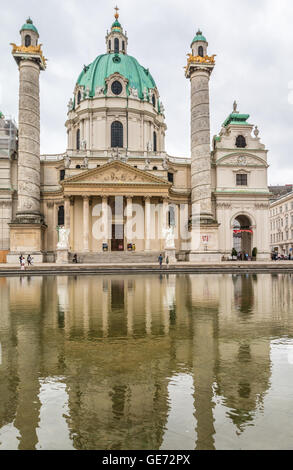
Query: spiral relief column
point(28, 208)
point(26, 230)
point(204, 228)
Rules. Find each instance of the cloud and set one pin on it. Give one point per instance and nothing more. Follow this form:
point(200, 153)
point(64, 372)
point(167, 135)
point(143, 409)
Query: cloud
point(252, 41)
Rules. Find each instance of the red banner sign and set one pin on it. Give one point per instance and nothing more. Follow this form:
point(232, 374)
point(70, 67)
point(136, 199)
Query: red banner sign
point(242, 231)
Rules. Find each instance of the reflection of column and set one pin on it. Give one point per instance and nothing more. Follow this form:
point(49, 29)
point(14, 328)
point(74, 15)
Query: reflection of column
point(148, 311)
point(105, 311)
point(85, 223)
point(203, 379)
point(129, 219)
point(147, 223)
point(105, 218)
point(129, 298)
point(86, 299)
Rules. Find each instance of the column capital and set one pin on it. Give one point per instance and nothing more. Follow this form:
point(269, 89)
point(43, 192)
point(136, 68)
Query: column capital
point(72, 200)
point(86, 197)
point(147, 198)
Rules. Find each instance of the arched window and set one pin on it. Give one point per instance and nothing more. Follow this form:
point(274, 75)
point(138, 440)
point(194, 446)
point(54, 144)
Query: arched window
point(240, 141)
point(200, 51)
point(116, 45)
point(109, 46)
point(123, 46)
point(154, 101)
point(117, 134)
point(77, 167)
point(155, 168)
point(78, 97)
point(78, 139)
point(27, 40)
point(155, 142)
point(61, 215)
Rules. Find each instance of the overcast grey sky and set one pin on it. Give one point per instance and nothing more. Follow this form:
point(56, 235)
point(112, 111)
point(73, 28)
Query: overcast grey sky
point(253, 41)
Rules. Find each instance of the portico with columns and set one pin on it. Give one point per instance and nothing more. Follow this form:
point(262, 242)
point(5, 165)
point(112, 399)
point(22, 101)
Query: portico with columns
point(116, 205)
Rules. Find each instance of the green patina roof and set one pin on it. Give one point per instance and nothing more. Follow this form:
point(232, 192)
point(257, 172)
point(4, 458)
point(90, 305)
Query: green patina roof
point(29, 26)
point(1, 115)
point(236, 118)
point(116, 25)
point(105, 65)
point(199, 37)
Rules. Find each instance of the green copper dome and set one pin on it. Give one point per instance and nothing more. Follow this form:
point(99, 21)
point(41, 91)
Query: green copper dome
point(29, 26)
point(116, 26)
point(95, 74)
point(199, 37)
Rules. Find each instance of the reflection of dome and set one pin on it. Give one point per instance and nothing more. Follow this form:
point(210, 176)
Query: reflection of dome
point(107, 64)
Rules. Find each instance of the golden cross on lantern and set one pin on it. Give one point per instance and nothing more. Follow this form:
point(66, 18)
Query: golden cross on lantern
point(117, 14)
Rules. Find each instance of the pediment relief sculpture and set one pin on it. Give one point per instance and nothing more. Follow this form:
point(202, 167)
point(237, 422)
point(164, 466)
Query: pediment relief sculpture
point(241, 161)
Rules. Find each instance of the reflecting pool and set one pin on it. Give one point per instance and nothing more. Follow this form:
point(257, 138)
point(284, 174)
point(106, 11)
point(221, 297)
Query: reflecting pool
point(146, 362)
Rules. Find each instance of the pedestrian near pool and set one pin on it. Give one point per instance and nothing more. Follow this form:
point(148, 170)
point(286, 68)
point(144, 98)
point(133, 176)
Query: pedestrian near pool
point(22, 264)
point(29, 260)
point(160, 259)
point(167, 261)
point(20, 259)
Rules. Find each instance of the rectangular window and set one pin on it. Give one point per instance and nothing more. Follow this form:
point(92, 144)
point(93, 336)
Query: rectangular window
point(171, 177)
point(241, 180)
point(62, 175)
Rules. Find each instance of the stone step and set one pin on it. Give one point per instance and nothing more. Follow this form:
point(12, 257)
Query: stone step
point(117, 257)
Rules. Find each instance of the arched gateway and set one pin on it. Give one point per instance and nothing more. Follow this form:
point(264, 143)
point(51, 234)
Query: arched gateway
point(242, 234)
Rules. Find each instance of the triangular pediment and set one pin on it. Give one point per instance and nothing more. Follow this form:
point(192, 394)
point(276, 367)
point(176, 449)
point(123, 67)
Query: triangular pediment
point(115, 173)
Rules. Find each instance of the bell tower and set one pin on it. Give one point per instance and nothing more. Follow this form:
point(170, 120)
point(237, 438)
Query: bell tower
point(198, 70)
point(26, 230)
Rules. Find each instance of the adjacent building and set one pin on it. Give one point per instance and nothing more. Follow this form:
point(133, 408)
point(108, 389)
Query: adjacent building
point(281, 224)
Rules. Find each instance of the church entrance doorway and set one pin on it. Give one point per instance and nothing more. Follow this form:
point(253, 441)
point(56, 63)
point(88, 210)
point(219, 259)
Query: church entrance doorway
point(117, 242)
point(242, 235)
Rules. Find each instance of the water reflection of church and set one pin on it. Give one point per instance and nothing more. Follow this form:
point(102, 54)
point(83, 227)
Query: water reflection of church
point(214, 329)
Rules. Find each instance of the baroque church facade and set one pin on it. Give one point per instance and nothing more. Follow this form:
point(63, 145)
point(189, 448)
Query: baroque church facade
point(116, 189)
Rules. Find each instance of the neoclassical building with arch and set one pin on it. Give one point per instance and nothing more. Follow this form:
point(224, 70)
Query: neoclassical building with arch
point(115, 188)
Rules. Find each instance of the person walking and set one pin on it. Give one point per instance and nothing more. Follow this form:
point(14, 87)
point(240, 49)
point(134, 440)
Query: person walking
point(74, 260)
point(167, 261)
point(29, 260)
point(160, 259)
point(20, 259)
point(22, 264)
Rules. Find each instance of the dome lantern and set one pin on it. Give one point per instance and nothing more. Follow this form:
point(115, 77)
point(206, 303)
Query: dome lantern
point(116, 40)
point(199, 45)
point(29, 34)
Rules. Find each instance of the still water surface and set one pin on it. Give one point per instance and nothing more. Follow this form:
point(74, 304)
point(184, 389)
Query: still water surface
point(146, 362)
